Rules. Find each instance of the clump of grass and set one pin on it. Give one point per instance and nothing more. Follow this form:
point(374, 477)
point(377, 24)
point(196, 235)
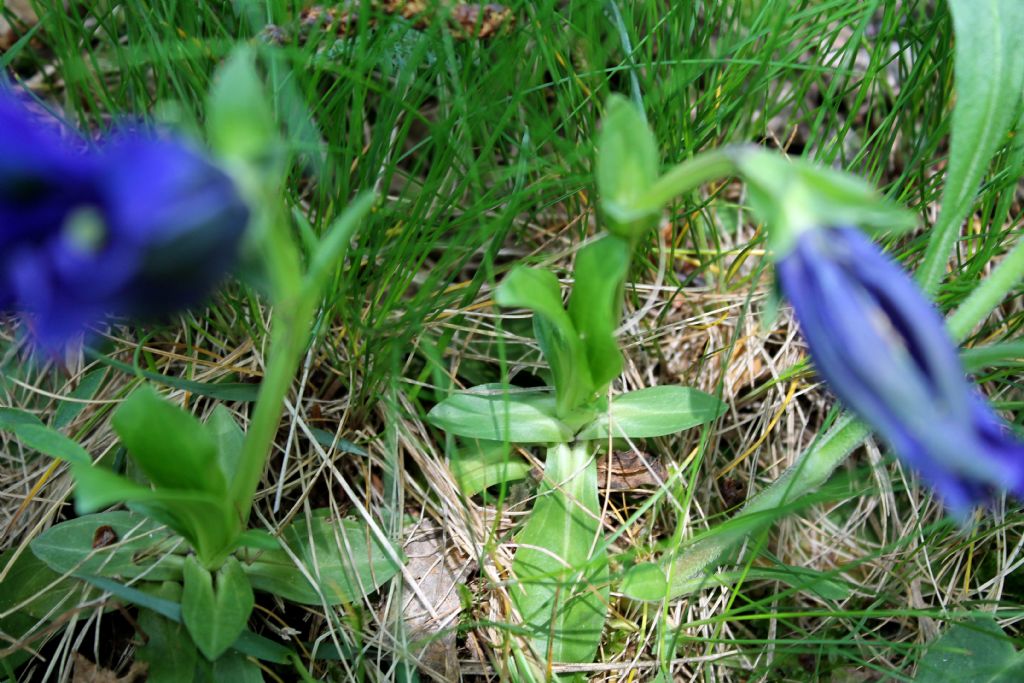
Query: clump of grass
point(483, 152)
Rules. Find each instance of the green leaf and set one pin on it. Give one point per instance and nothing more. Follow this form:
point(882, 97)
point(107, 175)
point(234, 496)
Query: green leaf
point(169, 650)
point(224, 391)
point(257, 539)
point(538, 291)
point(11, 418)
point(493, 413)
point(327, 440)
point(171, 446)
point(229, 439)
point(237, 668)
point(248, 643)
point(30, 593)
point(627, 167)
point(215, 615)
point(482, 464)
point(654, 411)
point(205, 520)
point(343, 558)
point(976, 650)
point(560, 566)
point(86, 389)
point(143, 547)
point(989, 79)
point(331, 250)
point(51, 442)
point(647, 582)
point(239, 121)
point(596, 304)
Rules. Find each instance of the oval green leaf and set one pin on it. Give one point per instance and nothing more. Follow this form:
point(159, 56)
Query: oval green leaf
point(141, 547)
point(655, 411)
point(342, 557)
point(499, 415)
point(215, 614)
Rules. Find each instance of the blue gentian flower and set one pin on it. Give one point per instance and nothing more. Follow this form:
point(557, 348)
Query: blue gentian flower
point(140, 226)
point(883, 348)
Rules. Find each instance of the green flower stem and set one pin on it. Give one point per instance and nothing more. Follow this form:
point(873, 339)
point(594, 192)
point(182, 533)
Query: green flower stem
point(817, 463)
point(988, 294)
point(941, 240)
point(295, 307)
point(812, 470)
point(688, 176)
point(289, 338)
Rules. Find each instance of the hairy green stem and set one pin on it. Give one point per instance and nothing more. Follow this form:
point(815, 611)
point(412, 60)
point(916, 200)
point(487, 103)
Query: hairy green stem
point(689, 175)
point(941, 241)
point(291, 332)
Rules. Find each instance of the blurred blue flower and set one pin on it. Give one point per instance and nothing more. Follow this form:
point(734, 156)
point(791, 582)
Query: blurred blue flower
point(883, 348)
point(141, 226)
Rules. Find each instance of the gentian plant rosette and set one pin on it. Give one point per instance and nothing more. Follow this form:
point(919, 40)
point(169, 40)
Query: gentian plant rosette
point(883, 349)
point(140, 227)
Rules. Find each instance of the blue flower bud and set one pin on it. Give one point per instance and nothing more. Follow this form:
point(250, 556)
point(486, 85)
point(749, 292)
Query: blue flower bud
point(182, 216)
point(883, 348)
point(141, 227)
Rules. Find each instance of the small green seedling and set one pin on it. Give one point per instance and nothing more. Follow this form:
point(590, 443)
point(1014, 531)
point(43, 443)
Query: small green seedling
point(561, 587)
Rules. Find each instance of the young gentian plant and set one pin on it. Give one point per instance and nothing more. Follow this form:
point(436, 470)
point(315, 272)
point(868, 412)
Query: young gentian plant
point(561, 562)
point(141, 226)
point(881, 346)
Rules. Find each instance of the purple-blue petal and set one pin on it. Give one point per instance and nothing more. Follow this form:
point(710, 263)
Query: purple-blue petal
point(141, 228)
point(183, 215)
point(883, 349)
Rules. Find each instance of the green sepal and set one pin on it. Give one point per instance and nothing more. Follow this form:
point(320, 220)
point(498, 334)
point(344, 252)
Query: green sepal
point(793, 195)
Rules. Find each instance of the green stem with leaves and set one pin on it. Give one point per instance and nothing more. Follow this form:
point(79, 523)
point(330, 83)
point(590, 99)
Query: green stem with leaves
point(296, 304)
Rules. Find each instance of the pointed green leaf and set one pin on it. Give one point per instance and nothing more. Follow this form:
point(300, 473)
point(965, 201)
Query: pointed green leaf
point(215, 613)
point(654, 411)
point(342, 557)
point(49, 441)
point(627, 166)
point(141, 547)
point(495, 414)
point(538, 291)
point(13, 417)
point(989, 78)
point(596, 304)
point(171, 446)
point(976, 650)
point(560, 566)
point(86, 389)
point(482, 464)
